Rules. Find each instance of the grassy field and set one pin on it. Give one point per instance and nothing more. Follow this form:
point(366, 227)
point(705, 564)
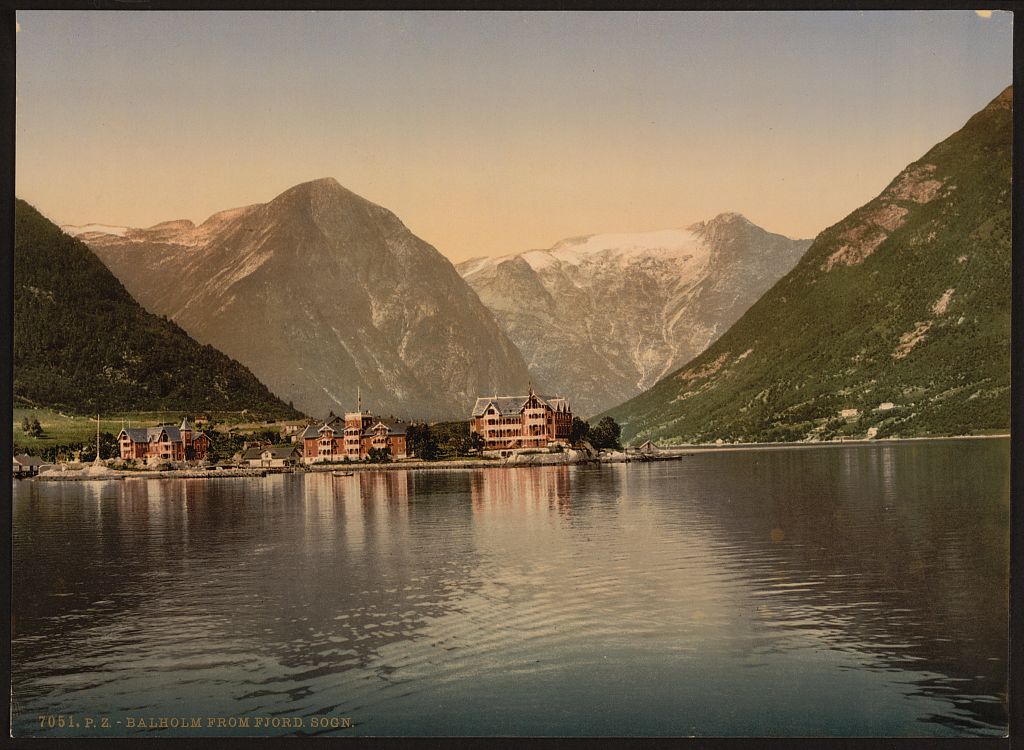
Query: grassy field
point(62, 429)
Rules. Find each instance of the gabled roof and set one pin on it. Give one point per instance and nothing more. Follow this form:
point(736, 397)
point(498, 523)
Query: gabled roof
point(135, 434)
point(558, 403)
point(507, 406)
point(310, 432)
point(281, 450)
point(151, 434)
point(186, 425)
point(394, 426)
point(26, 460)
point(510, 406)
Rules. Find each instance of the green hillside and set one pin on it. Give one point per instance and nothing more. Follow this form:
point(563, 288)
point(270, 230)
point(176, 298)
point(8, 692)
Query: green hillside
point(81, 343)
point(904, 302)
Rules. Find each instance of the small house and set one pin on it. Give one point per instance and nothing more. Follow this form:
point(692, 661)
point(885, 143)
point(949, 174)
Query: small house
point(272, 456)
point(28, 466)
point(648, 448)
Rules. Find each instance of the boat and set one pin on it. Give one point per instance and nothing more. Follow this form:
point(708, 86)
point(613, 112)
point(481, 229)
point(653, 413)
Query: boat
point(343, 473)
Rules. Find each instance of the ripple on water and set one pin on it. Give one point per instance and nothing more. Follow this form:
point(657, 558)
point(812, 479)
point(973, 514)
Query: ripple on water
point(741, 586)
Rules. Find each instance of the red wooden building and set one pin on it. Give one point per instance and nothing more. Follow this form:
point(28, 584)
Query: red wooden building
point(166, 442)
point(513, 422)
point(352, 437)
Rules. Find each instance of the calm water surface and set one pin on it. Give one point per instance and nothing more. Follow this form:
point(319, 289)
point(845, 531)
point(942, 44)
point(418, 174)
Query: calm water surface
point(827, 591)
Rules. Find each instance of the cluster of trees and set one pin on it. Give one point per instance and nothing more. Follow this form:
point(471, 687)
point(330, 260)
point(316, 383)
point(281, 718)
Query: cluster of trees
point(379, 455)
point(444, 440)
point(32, 427)
point(108, 448)
point(85, 451)
point(605, 435)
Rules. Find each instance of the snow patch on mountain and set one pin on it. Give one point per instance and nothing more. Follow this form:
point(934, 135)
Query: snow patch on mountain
point(603, 317)
point(78, 229)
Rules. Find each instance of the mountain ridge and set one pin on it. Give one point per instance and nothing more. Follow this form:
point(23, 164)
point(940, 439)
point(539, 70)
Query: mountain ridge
point(324, 294)
point(82, 342)
point(897, 317)
point(600, 317)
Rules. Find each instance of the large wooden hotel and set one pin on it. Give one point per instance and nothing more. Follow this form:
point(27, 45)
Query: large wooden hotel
point(352, 438)
point(508, 423)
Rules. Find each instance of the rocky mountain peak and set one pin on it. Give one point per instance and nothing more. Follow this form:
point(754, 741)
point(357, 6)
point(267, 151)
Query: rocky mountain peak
point(603, 316)
point(332, 207)
point(1003, 101)
point(321, 292)
point(315, 192)
point(729, 217)
point(173, 225)
point(723, 221)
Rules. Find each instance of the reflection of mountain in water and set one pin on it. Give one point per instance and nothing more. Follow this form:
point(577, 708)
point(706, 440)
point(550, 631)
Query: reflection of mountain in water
point(851, 548)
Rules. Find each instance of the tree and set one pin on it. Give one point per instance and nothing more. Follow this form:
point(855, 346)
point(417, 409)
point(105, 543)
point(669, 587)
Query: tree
point(421, 442)
point(379, 455)
point(266, 436)
point(25, 424)
point(457, 445)
point(108, 448)
point(579, 431)
point(476, 441)
point(35, 429)
point(606, 434)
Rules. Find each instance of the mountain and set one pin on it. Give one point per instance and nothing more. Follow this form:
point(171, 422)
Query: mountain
point(601, 318)
point(896, 322)
point(322, 293)
point(82, 343)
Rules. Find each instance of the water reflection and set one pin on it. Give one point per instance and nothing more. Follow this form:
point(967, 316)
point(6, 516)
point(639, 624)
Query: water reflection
point(497, 491)
point(898, 554)
point(835, 591)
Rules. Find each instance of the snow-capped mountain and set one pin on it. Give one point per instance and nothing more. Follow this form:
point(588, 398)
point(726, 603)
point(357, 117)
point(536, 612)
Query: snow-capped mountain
point(320, 292)
point(77, 230)
point(602, 318)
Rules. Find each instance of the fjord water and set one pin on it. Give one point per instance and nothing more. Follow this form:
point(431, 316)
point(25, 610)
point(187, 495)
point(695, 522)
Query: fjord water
point(856, 590)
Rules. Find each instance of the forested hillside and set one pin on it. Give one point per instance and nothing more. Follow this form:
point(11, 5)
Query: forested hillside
point(83, 344)
point(896, 322)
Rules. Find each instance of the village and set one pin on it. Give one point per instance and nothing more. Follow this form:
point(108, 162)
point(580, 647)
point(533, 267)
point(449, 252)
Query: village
point(501, 430)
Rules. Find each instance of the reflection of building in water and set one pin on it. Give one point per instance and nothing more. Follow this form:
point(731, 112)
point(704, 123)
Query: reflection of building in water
point(389, 486)
point(368, 499)
point(540, 488)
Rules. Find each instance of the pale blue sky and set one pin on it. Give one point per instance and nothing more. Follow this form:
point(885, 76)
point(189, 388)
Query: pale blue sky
point(494, 132)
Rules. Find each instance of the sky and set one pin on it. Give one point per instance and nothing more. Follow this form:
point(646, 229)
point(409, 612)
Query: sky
point(494, 132)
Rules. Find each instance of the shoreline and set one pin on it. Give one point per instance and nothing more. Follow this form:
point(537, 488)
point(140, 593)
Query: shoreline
point(668, 453)
point(710, 447)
